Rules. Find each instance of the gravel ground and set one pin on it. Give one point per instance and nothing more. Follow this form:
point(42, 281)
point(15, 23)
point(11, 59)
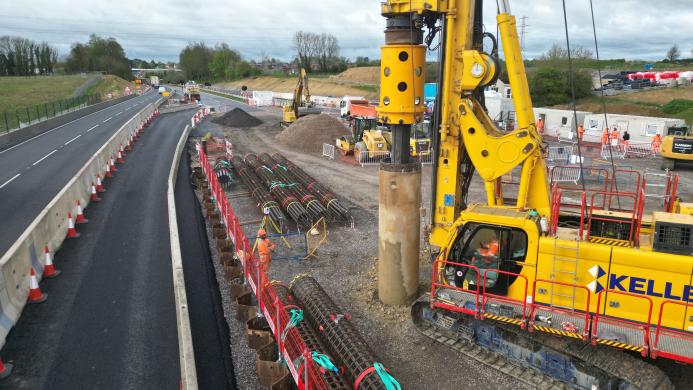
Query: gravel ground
point(345, 266)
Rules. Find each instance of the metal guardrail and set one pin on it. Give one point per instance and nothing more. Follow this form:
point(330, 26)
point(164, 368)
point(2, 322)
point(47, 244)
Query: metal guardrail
point(26, 116)
point(328, 151)
point(371, 157)
point(559, 154)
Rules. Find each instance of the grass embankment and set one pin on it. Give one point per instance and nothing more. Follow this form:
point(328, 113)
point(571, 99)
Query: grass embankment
point(110, 84)
point(21, 92)
point(666, 103)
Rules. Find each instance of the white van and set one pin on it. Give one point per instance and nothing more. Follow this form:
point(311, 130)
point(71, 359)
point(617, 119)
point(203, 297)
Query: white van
point(347, 101)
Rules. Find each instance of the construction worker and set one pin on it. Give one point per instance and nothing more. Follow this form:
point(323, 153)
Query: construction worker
point(656, 143)
point(615, 135)
point(265, 248)
point(540, 126)
point(605, 136)
point(626, 139)
point(581, 132)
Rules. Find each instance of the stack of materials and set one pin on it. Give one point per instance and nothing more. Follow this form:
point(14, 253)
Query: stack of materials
point(312, 205)
point(334, 206)
point(281, 194)
point(259, 192)
point(340, 337)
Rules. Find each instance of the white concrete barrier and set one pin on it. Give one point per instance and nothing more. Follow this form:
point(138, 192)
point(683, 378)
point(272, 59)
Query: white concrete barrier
point(188, 372)
point(50, 226)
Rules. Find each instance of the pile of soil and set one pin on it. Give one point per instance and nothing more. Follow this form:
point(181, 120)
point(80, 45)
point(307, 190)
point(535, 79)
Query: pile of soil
point(237, 118)
point(308, 133)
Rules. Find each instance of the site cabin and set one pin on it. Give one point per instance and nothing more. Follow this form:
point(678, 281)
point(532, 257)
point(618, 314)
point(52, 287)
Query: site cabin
point(347, 101)
point(560, 124)
point(500, 109)
point(640, 128)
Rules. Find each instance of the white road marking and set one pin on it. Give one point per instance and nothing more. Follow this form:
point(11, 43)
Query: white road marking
point(8, 182)
point(63, 125)
point(118, 113)
point(44, 157)
point(109, 118)
point(92, 128)
point(68, 142)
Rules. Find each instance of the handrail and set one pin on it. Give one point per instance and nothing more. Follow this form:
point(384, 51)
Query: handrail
point(485, 294)
point(534, 304)
point(645, 326)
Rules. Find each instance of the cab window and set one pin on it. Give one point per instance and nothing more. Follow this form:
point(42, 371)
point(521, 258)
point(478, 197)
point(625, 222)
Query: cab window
point(487, 247)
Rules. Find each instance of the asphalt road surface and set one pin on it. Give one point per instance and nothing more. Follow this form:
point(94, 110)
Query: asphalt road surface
point(110, 321)
point(209, 328)
point(34, 171)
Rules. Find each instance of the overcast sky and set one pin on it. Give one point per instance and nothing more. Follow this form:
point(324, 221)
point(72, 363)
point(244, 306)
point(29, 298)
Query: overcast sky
point(155, 29)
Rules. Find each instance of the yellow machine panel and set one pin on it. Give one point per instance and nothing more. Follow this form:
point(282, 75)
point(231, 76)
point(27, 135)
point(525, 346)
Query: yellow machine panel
point(402, 97)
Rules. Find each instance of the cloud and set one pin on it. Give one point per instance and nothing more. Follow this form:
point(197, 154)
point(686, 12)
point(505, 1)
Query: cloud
point(160, 29)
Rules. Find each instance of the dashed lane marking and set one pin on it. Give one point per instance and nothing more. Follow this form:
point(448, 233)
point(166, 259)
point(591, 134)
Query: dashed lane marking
point(92, 128)
point(44, 157)
point(8, 182)
point(109, 118)
point(68, 142)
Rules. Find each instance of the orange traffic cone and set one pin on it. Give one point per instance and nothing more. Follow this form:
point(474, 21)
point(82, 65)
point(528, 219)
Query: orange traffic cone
point(94, 196)
point(129, 145)
point(80, 214)
point(107, 170)
point(112, 165)
point(119, 159)
point(5, 369)
point(99, 185)
point(49, 270)
point(35, 294)
point(71, 231)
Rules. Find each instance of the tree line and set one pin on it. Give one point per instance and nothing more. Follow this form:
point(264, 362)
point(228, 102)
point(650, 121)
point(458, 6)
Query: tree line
point(318, 52)
point(25, 57)
point(200, 62)
point(99, 55)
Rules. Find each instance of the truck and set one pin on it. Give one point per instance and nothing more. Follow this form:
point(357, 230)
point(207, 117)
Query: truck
point(347, 101)
point(191, 91)
point(154, 81)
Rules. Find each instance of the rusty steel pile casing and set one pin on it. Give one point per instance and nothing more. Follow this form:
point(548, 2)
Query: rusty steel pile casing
point(289, 203)
point(259, 193)
point(310, 202)
point(399, 223)
point(334, 206)
point(342, 340)
point(310, 340)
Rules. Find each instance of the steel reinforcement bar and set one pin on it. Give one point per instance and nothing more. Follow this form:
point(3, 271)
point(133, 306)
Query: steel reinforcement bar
point(342, 340)
point(336, 208)
point(289, 203)
point(310, 202)
point(297, 338)
point(259, 193)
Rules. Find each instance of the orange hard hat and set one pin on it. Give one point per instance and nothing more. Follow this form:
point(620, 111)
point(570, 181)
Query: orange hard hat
point(261, 232)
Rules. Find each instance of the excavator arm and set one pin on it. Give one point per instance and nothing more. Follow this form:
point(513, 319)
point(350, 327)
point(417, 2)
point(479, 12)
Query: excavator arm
point(468, 140)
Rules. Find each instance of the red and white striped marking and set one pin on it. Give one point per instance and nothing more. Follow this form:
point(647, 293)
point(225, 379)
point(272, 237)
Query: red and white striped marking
point(49, 270)
point(35, 294)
